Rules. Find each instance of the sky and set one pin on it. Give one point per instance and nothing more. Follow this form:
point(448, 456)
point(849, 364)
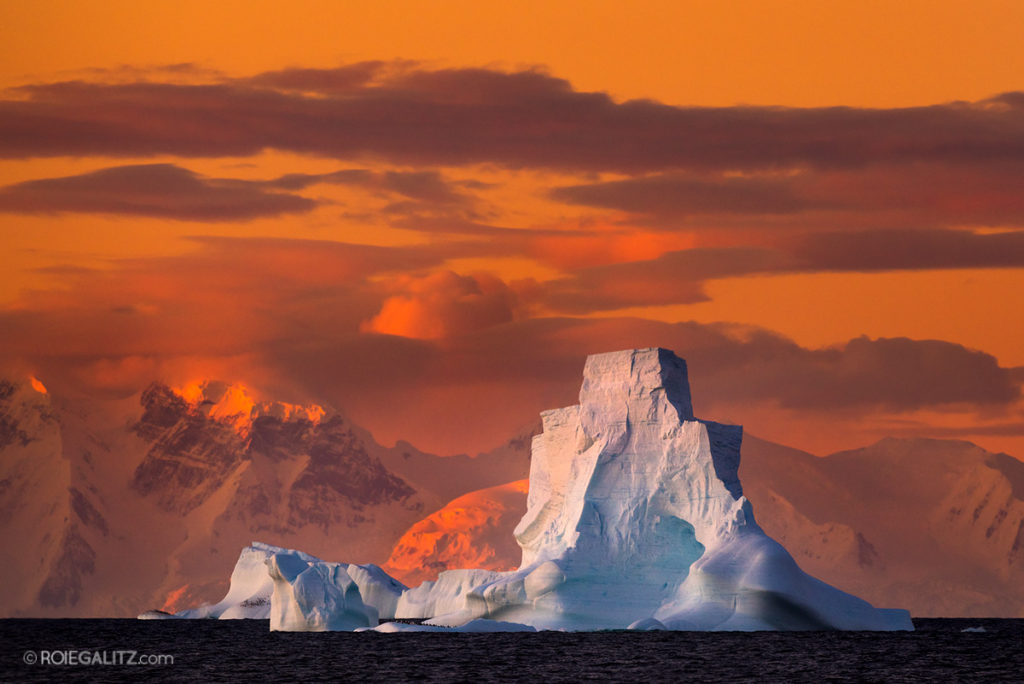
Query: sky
point(428, 214)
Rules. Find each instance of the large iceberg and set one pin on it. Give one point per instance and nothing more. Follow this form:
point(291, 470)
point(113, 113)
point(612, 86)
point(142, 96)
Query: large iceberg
point(635, 519)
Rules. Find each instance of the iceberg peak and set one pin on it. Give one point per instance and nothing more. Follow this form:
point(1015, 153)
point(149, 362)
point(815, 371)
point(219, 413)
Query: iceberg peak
point(643, 377)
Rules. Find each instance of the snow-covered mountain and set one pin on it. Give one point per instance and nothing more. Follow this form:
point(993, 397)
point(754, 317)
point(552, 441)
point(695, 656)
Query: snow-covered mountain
point(120, 506)
point(37, 493)
point(935, 525)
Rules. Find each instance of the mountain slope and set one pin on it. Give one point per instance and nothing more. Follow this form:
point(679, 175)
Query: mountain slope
point(934, 525)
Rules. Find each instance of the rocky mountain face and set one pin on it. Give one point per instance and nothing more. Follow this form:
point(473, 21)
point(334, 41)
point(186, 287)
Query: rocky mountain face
point(114, 507)
point(193, 454)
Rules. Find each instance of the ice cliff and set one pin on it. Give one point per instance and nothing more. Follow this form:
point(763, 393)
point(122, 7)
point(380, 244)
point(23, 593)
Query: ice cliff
point(636, 519)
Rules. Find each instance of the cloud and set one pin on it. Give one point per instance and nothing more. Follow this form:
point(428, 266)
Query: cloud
point(678, 276)
point(881, 250)
point(229, 297)
point(416, 351)
point(408, 114)
point(679, 195)
point(344, 79)
point(155, 190)
point(890, 373)
point(443, 304)
point(909, 195)
point(742, 363)
point(608, 268)
point(170, 191)
point(425, 186)
point(974, 431)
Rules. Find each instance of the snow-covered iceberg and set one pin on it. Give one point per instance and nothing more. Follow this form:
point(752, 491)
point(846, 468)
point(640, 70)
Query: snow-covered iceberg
point(299, 592)
point(635, 519)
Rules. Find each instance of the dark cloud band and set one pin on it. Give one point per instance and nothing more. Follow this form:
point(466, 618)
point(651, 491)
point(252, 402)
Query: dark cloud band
point(410, 115)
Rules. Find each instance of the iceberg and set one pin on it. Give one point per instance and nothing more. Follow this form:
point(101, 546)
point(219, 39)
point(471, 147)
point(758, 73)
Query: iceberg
point(635, 519)
point(271, 582)
point(317, 596)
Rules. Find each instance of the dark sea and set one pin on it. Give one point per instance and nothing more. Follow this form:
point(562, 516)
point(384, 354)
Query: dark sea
point(941, 650)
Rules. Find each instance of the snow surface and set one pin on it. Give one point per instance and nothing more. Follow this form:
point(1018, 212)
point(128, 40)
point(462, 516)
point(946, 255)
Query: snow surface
point(636, 519)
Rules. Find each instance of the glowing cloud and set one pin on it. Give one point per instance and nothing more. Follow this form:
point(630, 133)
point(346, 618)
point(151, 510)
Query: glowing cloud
point(443, 304)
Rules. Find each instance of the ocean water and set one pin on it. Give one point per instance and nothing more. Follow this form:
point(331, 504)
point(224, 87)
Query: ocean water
point(941, 650)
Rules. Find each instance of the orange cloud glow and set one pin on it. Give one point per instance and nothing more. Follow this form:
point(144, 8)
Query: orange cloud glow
point(441, 305)
point(597, 246)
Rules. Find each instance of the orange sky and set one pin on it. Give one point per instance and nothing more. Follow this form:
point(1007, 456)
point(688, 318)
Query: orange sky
point(545, 217)
point(794, 52)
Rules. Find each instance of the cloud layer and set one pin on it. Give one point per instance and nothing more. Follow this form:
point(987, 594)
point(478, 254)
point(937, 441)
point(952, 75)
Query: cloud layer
point(301, 318)
point(155, 190)
point(599, 205)
point(412, 115)
point(173, 192)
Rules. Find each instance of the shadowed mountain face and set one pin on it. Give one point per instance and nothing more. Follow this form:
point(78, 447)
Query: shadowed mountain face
point(11, 431)
point(193, 455)
point(117, 507)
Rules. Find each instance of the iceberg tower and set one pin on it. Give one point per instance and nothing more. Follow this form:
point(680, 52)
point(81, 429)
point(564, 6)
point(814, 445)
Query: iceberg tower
point(635, 519)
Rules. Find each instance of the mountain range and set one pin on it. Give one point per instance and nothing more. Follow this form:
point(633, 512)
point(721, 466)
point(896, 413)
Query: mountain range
point(116, 506)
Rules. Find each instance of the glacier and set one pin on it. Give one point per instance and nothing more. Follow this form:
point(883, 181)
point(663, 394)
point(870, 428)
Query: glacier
point(635, 519)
